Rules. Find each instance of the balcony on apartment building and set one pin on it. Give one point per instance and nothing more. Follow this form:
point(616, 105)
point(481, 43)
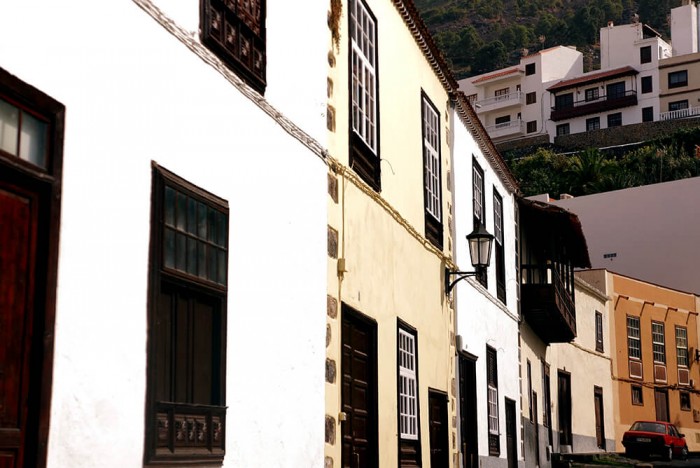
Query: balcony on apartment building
point(506, 129)
point(500, 101)
point(552, 246)
point(680, 113)
point(571, 109)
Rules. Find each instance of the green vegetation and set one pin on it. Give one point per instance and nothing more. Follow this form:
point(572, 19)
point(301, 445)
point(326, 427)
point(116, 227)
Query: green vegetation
point(592, 171)
point(477, 36)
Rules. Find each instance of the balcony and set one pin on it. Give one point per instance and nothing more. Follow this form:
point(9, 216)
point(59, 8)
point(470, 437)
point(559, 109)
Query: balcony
point(602, 104)
point(546, 304)
point(499, 102)
point(511, 128)
point(680, 114)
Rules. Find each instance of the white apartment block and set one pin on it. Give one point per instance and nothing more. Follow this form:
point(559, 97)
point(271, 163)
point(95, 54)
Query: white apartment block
point(642, 78)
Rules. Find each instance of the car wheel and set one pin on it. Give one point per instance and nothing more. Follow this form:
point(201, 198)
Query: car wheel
point(684, 453)
point(669, 454)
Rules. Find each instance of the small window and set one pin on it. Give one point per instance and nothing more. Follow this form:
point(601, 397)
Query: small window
point(616, 90)
point(614, 120)
point(564, 101)
point(499, 246)
point(431, 172)
point(678, 79)
point(599, 332)
point(634, 346)
point(531, 98)
point(492, 400)
point(685, 400)
point(408, 385)
point(637, 395)
point(658, 342)
point(592, 124)
point(501, 94)
point(529, 69)
point(503, 121)
point(647, 114)
point(646, 84)
point(235, 32)
point(479, 201)
point(645, 54)
point(532, 126)
point(563, 129)
point(592, 94)
point(23, 135)
point(682, 347)
point(678, 105)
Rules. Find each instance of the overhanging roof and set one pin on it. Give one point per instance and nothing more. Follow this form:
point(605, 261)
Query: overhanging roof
point(591, 78)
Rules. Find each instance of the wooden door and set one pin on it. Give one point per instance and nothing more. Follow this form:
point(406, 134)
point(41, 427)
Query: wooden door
point(437, 415)
point(661, 400)
point(467, 412)
point(18, 232)
point(359, 391)
point(564, 399)
point(511, 437)
point(599, 420)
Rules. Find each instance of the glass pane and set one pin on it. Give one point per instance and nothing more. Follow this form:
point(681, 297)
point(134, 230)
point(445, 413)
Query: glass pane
point(181, 211)
point(191, 256)
point(212, 225)
point(191, 216)
point(180, 252)
point(169, 249)
point(211, 264)
point(223, 229)
point(32, 143)
point(222, 267)
point(201, 259)
point(9, 121)
point(169, 206)
point(202, 220)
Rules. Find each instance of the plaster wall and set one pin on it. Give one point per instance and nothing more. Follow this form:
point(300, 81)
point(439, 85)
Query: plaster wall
point(684, 29)
point(134, 93)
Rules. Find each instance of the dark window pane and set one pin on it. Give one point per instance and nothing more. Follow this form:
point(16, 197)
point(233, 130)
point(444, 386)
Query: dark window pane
point(191, 216)
point(211, 234)
point(201, 260)
point(169, 249)
point(169, 206)
point(222, 267)
point(180, 252)
point(191, 256)
point(223, 230)
point(201, 221)
point(211, 264)
point(181, 209)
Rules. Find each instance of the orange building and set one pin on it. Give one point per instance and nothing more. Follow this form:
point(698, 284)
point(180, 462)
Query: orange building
point(654, 335)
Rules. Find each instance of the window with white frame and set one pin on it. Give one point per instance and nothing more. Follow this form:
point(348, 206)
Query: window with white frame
point(492, 399)
point(682, 346)
point(408, 388)
point(431, 172)
point(658, 342)
point(478, 193)
point(634, 345)
point(364, 81)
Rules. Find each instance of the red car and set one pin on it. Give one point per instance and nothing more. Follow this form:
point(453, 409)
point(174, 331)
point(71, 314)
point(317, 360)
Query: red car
point(646, 438)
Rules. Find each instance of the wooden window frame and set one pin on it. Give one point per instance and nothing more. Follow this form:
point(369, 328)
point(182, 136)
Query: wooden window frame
point(658, 342)
point(222, 26)
point(530, 98)
point(479, 208)
point(363, 122)
point(48, 182)
point(432, 171)
point(492, 401)
point(637, 390)
point(682, 356)
point(599, 332)
point(634, 338)
point(409, 427)
point(499, 246)
point(592, 94)
point(167, 421)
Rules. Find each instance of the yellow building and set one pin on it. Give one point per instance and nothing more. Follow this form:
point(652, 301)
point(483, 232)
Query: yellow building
point(654, 332)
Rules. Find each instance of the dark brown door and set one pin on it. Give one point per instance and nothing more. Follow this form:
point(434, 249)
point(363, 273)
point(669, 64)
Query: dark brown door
point(564, 399)
point(437, 415)
point(359, 392)
point(467, 412)
point(599, 424)
point(18, 223)
point(661, 399)
point(511, 438)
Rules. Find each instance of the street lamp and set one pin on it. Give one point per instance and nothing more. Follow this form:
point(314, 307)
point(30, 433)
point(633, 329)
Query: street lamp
point(480, 242)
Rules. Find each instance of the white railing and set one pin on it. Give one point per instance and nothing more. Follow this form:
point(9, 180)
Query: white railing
point(680, 113)
point(501, 99)
point(505, 128)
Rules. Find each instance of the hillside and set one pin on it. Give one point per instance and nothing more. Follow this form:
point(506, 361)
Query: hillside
point(477, 36)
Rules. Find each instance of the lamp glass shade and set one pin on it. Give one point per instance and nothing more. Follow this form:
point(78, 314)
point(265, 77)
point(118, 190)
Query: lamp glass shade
point(480, 242)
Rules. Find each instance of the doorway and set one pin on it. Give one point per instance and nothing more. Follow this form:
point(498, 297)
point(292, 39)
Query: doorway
point(467, 411)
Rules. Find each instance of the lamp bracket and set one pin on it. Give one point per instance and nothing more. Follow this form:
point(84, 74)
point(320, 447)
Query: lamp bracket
point(460, 275)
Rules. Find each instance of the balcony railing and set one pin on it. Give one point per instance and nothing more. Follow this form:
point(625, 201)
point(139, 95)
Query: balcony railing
point(602, 104)
point(499, 102)
point(187, 429)
point(680, 113)
point(547, 304)
point(512, 127)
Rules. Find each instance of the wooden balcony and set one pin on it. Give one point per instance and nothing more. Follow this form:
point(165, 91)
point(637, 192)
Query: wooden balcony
point(602, 104)
point(546, 304)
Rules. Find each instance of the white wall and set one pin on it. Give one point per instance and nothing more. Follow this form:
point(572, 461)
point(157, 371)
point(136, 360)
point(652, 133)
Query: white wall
point(134, 93)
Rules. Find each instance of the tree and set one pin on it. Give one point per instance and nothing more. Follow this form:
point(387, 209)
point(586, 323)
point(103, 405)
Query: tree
point(492, 56)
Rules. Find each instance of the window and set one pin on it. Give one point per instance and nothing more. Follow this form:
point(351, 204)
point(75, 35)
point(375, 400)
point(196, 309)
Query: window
point(499, 246)
point(431, 172)
point(685, 400)
point(531, 98)
point(503, 121)
point(364, 119)
point(646, 84)
point(615, 120)
point(634, 346)
point(492, 390)
point(235, 32)
point(501, 94)
point(563, 129)
point(647, 114)
point(616, 90)
point(592, 94)
point(678, 79)
point(532, 126)
point(645, 54)
point(187, 322)
point(599, 332)
point(678, 105)
point(529, 69)
point(637, 395)
point(408, 387)
point(682, 347)
point(479, 200)
point(658, 342)
point(592, 124)
point(564, 101)
point(23, 135)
